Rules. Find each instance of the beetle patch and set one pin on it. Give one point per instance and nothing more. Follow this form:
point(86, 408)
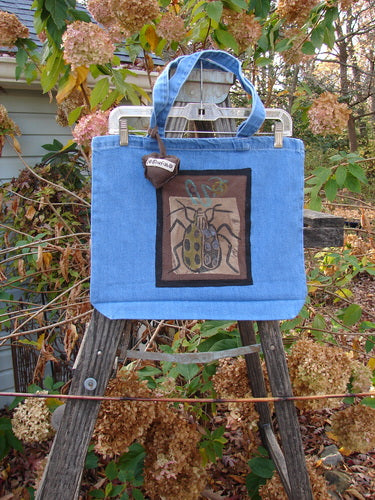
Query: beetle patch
point(203, 229)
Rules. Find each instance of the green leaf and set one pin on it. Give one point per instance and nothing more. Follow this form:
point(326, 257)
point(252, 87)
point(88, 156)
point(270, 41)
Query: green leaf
point(263, 42)
point(262, 467)
point(330, 189)
point(74, 115)
point(226, 39)
point(131, 465)
point(97, 494)
point(317, 36)
point(57, 9)
point(211, 327)
point(283, 45)
point(260, 7)
point(210, 343)
point(214, 10)
point(340, 175)
point(188, 371)
point(352, 314)
point(352, 183)
point(329, 37)
point(358, 172)
point(99, 92)
point(137, 495)
point(92, 460)
point(116, 490)
point(149, 371)
point(111, 471)
point(253, 483)
point(308, 48)
point(108, 489)
point(239, 3)
point(263, 61)
point(369, 401)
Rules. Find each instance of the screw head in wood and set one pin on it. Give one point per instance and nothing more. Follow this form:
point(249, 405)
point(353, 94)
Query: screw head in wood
point(90, 384)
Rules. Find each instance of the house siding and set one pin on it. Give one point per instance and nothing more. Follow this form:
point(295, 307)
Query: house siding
point(6, 374)
point(35, 116)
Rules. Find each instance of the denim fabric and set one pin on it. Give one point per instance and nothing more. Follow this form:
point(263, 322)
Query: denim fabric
point(167, 87)
point(124, 231)
point(124, 216)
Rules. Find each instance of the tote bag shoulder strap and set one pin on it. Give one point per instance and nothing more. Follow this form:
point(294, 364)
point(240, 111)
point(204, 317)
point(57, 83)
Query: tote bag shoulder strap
point(167, 88)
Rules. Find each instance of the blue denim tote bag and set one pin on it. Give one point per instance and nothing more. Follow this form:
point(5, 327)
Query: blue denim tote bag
point(223, 239)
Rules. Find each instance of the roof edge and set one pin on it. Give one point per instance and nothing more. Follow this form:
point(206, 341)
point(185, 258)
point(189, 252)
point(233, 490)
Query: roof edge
point(8, 79)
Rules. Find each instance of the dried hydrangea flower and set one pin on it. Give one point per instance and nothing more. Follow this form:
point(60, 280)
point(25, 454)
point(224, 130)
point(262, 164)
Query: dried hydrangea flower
point(72, 101)
point(318, 369)
point(120, 423)
point(173, 463)
point(90, 126)
point(274, 490)
point(327, 115)
point(354, 428)
point(11, 29)
point(231, 381)
point(245, 29)
point(31, 420)
point(294, 55)
point(7, 125)
point(101, 12)
point(132, 14)
point(171, 27)
point(361, 377)
point(295, 11)
point(85, 44)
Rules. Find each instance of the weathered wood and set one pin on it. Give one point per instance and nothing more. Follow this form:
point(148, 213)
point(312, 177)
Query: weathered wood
point(291, 441)
point(258, 389)
point(322, 230)
point(255, 373)
point(62, 475)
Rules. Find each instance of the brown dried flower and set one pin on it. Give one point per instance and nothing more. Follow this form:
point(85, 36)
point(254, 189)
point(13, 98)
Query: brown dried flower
point(318, 369)
point(327, 115)
point(173, 463)
point(132, 14)
point(7, 125)
point(120, 423)
point(31, 420)
point(354, 428)
point(231, 381)
point(245, 29)
point(274, 490)
point(294, 55)
point(171, 27)
point(101, 12)
point(73, 101)
point(11, 29)
point(361, 377)
point(85, 44)
point(295, 11)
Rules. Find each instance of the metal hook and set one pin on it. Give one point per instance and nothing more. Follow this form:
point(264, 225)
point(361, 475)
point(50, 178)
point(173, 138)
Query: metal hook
point(201, 109)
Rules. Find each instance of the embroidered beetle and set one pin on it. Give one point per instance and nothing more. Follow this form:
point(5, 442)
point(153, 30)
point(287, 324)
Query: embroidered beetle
point(201, 249)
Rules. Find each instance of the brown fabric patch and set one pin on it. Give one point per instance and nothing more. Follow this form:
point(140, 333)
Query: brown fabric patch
point(203, 229)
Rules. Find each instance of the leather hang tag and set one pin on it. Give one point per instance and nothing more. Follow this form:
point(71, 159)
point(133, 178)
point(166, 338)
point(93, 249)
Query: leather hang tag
point(160, 168)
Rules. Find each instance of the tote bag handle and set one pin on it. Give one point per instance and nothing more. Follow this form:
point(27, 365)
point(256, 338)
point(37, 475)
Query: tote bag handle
point(166, 88)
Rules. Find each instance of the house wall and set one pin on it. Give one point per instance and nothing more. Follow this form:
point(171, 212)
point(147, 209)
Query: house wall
point(6, 374)
point(35, 116)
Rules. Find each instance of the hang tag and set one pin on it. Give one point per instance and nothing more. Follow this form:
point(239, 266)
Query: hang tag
point(159, 169)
